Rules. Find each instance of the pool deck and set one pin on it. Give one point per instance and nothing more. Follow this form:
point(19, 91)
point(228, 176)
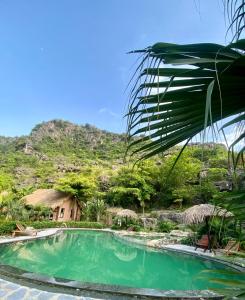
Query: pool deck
point(40, 234)
point(14, 291)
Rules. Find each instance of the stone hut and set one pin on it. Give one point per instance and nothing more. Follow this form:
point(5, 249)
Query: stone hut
point(64, 207)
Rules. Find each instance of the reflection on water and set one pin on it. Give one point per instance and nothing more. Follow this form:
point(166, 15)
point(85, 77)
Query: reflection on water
point(92, 256)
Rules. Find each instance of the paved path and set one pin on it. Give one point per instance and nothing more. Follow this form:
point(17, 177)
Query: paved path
point(40, 234)
point(12, 291)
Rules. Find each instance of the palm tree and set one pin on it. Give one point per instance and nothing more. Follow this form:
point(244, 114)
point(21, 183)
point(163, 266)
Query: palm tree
point(183, 90)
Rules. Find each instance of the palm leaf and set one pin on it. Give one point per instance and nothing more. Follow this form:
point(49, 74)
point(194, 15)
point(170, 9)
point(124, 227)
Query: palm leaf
point(174, 104)
point(236, 15)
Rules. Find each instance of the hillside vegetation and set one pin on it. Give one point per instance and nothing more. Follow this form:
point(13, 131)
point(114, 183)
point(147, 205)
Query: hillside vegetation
point(55, 148)
point(88, 163)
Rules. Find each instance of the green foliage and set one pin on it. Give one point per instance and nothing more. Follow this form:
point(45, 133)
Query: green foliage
point(69, 224)
point(6, 182)
point(189, 241)
point(184, 194)
point(38, 213)
point(78, 185)
point(186, 170)
point(179, 182)
point(217, 174)
point(232, 227)
point(209, 153)
point(79, 160)
point(124, 196)
point(22, 192)
point(62, 137)
point(205, 191)
point(135, 227)
point(132, 187)
point(165, 226)
point(6, 227)
point(188, 98)
point(12, 208)
point(94, 209)
point(54, 149)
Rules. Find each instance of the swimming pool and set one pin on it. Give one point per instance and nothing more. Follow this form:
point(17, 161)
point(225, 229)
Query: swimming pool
point(99, 257)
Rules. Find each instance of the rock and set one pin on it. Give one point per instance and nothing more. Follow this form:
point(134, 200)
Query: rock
point(28, 149)
point(179, 233)
point(149, 222)
point(170, 216)
point(224, 185)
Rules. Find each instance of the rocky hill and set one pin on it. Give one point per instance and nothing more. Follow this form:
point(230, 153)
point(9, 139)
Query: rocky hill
point(56, 147)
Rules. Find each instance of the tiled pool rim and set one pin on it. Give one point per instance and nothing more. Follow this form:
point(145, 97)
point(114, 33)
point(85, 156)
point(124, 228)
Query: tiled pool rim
point(102, 291)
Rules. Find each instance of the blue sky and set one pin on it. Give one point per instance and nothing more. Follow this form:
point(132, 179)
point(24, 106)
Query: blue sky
point(67, 59)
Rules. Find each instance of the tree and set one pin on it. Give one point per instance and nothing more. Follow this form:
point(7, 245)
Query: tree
point(178, 183)
point(132, 186)
point(80, 186)
point(94, 209)
point(12, 208)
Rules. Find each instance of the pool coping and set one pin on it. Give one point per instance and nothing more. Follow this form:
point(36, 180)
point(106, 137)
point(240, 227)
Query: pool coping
point(79, 288)
point(189, 251)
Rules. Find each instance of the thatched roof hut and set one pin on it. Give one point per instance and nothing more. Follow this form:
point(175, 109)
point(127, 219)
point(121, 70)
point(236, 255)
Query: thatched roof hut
point(198, 213)
point(113, 210)
point(46, 197)
point(127, 213)
point(64, 207)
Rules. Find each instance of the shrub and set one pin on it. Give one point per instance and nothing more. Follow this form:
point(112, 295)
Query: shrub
point(190, 241)
point(136, 228)
point(115, 227)
point(69, 224)
point(165, 226)
point(6, 227)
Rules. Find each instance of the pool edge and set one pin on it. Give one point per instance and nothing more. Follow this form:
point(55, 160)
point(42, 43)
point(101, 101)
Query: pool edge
point(102, 290)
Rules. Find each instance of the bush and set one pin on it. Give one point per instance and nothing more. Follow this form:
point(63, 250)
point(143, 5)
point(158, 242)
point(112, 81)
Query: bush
point(165, 226)
point(115, 227)
point(6, 227)
point(94, 209)
point(69, 224)
point(190, 241)
point(136, 228)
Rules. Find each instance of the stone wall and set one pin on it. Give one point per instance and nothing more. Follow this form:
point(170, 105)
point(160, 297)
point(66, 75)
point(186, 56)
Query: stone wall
point(149, 222)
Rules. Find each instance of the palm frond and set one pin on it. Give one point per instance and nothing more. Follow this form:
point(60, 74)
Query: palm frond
point(183, 90)
point(235, 10)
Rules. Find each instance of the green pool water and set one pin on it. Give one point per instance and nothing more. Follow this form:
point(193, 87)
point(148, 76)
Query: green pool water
point(99, 257)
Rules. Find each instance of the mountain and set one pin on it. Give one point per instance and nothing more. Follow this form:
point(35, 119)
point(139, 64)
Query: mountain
point(56, 147)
